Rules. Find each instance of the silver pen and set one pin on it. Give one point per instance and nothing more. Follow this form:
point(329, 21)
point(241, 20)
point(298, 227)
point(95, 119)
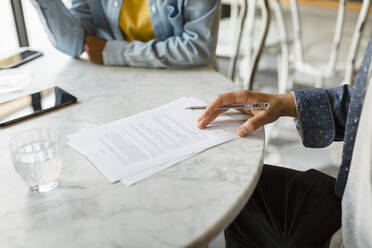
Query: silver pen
point(253, 106)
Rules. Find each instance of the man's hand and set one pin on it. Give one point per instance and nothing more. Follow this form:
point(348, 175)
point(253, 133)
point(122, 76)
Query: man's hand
point(280, 105)
point(94, 47)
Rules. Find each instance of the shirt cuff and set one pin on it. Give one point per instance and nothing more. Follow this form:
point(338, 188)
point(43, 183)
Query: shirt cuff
point(113, 53)
point(315, 122)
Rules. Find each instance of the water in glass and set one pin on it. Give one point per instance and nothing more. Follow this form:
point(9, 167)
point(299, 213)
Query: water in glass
point(39, 164)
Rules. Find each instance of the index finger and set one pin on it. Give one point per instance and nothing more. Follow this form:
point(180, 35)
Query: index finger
point(213, 110)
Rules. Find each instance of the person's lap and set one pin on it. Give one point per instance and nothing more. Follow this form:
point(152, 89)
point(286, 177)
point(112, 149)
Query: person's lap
point(288, 209)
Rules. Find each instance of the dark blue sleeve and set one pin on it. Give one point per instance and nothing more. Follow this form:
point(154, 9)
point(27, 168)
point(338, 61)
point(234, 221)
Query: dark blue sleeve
point(322, 115)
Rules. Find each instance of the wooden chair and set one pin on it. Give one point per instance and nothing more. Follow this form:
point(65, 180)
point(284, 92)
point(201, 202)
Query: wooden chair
point(328, 70)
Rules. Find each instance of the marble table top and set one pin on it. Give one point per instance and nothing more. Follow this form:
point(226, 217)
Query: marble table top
point(187, 205)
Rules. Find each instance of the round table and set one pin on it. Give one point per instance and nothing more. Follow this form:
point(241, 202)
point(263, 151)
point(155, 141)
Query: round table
point(186, 205)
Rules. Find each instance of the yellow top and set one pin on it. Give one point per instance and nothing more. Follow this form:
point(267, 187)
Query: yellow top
point(135, 20)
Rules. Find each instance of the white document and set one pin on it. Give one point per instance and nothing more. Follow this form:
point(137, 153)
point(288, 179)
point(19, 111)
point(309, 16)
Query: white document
point(134, 148)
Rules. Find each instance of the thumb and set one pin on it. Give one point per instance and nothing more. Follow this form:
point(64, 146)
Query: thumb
point(252, 124)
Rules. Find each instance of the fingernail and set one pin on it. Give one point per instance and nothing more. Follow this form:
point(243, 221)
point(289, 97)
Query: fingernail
point(200, 119)
point(242, 132)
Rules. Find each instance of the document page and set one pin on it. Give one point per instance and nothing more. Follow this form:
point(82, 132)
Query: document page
point(133, 148)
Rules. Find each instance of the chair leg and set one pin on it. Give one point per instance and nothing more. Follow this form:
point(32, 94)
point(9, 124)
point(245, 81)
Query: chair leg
point(265, 10)
point(355, 42)
point(297, 32)
point(237, 38)
point(246, 61)
point(283, 58)
point(330, 69)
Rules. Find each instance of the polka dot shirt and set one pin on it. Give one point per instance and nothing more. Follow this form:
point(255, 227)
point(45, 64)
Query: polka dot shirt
point(327, 115)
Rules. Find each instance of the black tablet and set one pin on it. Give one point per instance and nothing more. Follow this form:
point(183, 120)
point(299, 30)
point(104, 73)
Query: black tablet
point(31, 105)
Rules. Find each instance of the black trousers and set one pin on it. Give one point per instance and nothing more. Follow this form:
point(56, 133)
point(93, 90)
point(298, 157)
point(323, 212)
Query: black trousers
point(288, 208)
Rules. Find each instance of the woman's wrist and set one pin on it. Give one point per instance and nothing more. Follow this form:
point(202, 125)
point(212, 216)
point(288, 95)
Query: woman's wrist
point(287, 105)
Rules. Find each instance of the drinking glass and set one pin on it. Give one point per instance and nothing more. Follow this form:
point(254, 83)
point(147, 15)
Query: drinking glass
point(36, 157)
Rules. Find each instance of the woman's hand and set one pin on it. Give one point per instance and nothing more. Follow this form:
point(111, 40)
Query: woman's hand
point(94, 47)
point(280, 105)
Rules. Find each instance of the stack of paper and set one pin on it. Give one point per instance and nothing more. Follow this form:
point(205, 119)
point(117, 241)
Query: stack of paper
point(134, 148)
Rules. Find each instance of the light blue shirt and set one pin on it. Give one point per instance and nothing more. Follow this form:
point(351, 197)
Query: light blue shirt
point(186, 31)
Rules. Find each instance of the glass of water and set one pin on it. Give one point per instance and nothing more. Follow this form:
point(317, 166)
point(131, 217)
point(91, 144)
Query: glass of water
point(36, 156)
